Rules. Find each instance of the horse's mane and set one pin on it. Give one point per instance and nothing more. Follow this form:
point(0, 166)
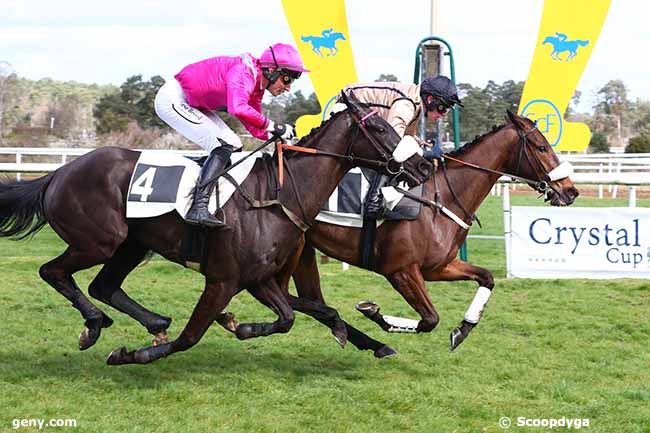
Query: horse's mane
point(305, 141)
point(467, 146)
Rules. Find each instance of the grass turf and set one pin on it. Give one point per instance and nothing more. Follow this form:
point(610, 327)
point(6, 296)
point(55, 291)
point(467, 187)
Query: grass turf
point(544, 349)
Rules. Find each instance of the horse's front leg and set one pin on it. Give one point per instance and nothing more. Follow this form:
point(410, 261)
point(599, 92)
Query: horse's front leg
point(458, 270)
point(213, 300)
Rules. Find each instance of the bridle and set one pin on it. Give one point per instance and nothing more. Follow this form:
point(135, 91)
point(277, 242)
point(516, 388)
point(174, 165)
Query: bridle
point(388, 161)
point(543, 184)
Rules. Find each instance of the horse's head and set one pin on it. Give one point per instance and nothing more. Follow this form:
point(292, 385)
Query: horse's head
point(550, 40)
point(536, 160)
point(376, 145)
point(337, 35)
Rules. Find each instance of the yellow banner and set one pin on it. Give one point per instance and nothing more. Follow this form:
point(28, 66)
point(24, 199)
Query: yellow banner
point(567, 36)
point(320, 30)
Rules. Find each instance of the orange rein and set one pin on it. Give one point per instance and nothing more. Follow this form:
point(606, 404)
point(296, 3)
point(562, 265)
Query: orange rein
point(281, 146)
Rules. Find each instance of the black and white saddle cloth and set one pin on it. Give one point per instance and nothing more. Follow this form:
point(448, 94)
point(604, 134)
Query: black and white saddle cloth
point(162, 182)
point(345, 205)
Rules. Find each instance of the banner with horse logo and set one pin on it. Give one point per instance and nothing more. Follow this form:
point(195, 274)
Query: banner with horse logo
point(579, 243)
point(320, 30)
point(567, 36)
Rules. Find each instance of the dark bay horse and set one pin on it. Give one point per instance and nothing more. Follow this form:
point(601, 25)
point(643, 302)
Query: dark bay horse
point(84, 202)
point(411, 252)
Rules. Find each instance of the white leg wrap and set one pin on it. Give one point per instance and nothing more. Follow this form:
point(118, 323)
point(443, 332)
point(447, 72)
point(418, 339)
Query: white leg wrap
point(475, 310)
point(401, 325)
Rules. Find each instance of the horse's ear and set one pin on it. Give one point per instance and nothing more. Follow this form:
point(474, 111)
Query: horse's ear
point(512, 116)
point(350, 100)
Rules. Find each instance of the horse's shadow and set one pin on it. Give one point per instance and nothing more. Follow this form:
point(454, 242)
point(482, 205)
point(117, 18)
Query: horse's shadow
point(215, 360)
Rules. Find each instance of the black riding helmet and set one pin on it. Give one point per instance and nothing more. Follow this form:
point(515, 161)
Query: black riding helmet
point(444, 93)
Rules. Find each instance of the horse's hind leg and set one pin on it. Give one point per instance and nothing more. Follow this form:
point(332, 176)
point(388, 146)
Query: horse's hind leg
point(213, 300)
point(106, 288)
point(458, 270)
point(58, 274)
point(409, 282)
point(271, 295)
point(307, 280)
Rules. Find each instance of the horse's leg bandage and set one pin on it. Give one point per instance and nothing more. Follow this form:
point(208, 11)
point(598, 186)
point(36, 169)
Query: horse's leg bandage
point(475, 310)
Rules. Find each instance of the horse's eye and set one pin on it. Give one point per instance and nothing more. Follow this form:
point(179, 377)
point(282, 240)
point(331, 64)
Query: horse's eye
point(381, 130)
point(542, 148)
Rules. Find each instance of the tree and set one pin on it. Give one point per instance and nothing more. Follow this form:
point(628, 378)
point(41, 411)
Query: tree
point(485, 107)
point(6, 72)
point(598, 143)
point(133, 102)
point(386, 77)
point(639, 144)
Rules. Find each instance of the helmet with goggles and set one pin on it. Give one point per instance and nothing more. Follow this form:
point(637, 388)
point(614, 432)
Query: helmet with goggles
point(281, 61)
point(442, 91)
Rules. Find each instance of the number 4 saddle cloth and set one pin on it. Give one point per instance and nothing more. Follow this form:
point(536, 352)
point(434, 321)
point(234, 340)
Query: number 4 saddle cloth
point(163, 182)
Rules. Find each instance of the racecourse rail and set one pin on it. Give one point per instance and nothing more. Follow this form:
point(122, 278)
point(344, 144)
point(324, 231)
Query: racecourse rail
point(611, 170)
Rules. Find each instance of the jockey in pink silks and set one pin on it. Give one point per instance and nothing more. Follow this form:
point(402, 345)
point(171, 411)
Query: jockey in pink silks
point(234, 84)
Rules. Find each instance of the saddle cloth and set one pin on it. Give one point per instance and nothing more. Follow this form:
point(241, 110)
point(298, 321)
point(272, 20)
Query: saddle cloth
point(344, 207)
point(163, 182)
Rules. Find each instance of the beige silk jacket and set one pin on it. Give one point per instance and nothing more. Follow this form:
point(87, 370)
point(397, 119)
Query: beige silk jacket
point(398, 103)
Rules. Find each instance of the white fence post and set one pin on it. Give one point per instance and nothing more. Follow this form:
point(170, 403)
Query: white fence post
point(632, 196)
point(19, 160)
point(506, 225)
point(600, 187)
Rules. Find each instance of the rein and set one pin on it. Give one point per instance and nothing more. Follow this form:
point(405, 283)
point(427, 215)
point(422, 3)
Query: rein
point(303, 222)
point(540, 185)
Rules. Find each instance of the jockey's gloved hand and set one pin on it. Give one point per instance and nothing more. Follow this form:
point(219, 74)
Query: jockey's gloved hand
point(431, 153)
point(284, 131)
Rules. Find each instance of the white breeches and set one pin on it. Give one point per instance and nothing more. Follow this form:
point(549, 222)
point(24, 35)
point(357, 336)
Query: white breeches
point(202, 127)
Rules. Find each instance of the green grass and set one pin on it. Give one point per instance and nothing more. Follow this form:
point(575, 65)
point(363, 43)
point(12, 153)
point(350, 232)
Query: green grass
point(544, 349)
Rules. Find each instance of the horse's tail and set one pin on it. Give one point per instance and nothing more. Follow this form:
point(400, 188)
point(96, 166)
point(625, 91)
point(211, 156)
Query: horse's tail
point(306, 38)
point(21, 206)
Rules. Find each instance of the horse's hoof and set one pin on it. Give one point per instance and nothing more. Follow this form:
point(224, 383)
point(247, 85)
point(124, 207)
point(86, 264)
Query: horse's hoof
point(455, 338)
point(227, 320)
point(342, 339)
point(88, 337)
point(117, 357)
point(367, 308)
point(385, 352)
point(160, 338)
point(340, 332)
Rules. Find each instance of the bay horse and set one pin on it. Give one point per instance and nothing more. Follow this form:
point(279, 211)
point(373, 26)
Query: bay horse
point(84, 203)
point(411, 252)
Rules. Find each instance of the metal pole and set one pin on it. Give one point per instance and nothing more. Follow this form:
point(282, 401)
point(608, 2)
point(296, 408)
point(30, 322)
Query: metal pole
point(455, 114)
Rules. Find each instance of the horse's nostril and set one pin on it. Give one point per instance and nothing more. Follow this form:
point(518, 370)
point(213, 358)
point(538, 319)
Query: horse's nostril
point(573, 192)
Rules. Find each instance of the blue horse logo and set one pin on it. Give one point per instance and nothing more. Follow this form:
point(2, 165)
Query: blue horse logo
point(327, 40)
point(560, 45)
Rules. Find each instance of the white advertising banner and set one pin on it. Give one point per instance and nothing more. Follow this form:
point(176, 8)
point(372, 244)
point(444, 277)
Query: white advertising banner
point(575, 242)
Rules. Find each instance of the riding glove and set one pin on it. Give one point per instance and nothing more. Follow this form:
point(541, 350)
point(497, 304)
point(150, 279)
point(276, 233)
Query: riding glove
point(283, 131)
point(434, 152)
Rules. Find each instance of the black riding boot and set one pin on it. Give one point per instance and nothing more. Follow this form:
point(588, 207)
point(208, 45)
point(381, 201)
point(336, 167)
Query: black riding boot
point(375, 201)
point(199, 213)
